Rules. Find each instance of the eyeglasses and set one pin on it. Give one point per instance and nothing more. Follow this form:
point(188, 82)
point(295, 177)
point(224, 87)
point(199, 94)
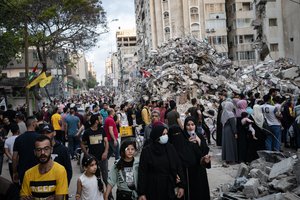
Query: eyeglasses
point(45, 149)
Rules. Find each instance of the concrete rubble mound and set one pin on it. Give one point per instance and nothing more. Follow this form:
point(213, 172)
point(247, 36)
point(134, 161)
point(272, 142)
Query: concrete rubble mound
point(266, 180)
point(188, 67)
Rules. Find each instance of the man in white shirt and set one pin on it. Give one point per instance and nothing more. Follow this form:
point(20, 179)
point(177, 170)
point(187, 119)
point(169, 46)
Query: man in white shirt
point(273, 141)
point(9, 146)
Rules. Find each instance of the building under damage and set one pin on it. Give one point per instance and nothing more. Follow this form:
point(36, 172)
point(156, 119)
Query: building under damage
point(184, 68)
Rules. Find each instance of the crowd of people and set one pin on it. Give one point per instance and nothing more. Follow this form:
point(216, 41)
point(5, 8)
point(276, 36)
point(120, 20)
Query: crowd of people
point(175, 155)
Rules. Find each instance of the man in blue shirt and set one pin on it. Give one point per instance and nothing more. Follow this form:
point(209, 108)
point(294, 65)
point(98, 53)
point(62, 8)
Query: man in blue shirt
point(72, 124)
point(104, 113)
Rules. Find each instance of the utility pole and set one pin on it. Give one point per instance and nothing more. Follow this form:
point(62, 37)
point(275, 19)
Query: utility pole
point(26, 46)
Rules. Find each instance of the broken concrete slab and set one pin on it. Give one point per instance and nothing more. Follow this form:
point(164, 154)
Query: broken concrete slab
point(271, 156)
point(296, 170)
point(261, 175)
point(284, 185)
point(251, 188)
point(282, 167)
point(242, 171)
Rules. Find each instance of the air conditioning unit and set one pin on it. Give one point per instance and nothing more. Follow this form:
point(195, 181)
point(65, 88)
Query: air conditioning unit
point(212, 30)
point(207, 30)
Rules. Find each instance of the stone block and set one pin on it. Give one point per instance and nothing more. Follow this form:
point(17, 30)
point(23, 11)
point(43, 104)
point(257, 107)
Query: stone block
point(242, 171)
point(271, 156)
point(251, 188)
point(284, 185)
point(257, 173)
point(282, 167)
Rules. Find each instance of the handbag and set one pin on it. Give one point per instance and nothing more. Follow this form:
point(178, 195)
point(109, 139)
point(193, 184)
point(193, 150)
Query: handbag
point(124, 195)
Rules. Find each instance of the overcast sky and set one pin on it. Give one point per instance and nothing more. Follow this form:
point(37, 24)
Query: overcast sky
point(123, 10)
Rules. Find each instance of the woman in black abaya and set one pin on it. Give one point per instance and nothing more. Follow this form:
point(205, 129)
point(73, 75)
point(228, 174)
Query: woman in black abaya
point(192, 150)
point(160, 169)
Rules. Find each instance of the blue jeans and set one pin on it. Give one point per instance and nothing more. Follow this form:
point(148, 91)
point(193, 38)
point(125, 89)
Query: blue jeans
point(273, 142)
point(73, 143)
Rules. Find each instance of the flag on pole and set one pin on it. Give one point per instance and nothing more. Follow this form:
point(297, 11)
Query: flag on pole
point(45, 81)
point(33, 73)
point(36, 80)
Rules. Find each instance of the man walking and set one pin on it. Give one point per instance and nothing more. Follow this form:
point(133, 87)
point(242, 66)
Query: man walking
point(23, 156)
point(97, 143)
point(56, 123)
point(72, 126)
point(111, 131)
point(46, 180)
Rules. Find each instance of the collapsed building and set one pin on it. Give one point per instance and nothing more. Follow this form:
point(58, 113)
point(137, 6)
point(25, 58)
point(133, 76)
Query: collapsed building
point(183, 68)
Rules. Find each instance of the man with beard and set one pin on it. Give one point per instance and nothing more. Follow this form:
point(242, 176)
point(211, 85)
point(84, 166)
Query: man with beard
point(60, 152)
point(46, 180)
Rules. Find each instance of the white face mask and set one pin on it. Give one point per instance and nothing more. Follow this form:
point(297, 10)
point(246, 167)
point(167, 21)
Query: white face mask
point(163, 139)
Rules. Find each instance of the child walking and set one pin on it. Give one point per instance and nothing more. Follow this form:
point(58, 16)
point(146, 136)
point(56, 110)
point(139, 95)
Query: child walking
point(87, 184)
point(124, 173)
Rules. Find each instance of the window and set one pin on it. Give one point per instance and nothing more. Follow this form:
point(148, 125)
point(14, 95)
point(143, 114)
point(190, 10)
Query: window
point(246, 6)
point(167, 30)
point(246, 55)
point(243, 23)
point(22, 74)
point(272, 22)
point(274, 47)
point(217, 40)
point(241, 39)
point(248, 38)
point(195, 27)
point(194, 10)
point(166, 15)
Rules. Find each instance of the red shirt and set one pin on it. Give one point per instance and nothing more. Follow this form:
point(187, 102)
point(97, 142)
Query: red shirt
point(109, 121)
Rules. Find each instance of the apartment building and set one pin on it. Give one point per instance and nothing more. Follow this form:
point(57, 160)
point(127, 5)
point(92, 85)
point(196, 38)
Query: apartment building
point(159, 20)
point(125, 55)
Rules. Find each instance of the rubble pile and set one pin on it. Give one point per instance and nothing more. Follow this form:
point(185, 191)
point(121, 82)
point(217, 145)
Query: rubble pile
point(185, 68)
point(188, 66)
point(272, 176)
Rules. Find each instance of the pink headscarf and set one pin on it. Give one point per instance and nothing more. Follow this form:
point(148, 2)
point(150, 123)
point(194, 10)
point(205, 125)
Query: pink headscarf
point(241, 106)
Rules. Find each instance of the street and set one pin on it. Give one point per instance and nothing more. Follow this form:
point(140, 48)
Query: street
point(217, 175)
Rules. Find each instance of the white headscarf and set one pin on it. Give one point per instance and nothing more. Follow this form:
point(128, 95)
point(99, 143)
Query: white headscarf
point(258, 115)
point(227, 112)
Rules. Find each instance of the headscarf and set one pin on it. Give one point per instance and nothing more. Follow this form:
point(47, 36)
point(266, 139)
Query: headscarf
point(182, 145)
point(227, 112)
point(155, 146)
point(156, 132)
point(241, 106)
point(258, 116)
point(190, 118)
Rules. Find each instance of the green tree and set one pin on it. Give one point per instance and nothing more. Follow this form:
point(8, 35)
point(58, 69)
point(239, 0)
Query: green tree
point(92, 82)
point(53, 24)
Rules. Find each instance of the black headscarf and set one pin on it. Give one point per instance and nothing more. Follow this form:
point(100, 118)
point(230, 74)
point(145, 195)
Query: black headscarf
point(155, 146)
point(156, 132)
point(190, 118)
point(183, 147)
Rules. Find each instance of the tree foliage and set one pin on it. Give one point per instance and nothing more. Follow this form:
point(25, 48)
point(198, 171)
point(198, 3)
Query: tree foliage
point(92, 82)
point(54, 24)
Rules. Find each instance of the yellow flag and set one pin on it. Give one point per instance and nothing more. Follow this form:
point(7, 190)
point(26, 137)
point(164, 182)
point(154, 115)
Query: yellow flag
point(45, 81)
point(36, 80)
